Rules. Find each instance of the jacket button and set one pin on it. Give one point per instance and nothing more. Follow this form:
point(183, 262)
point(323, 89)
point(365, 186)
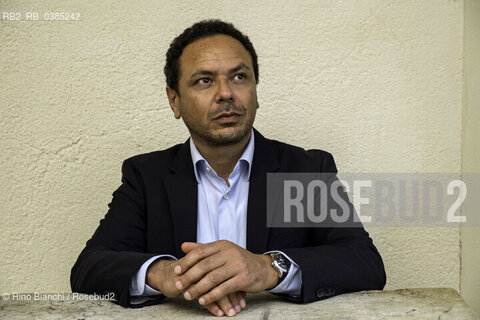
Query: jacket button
point(323, 293)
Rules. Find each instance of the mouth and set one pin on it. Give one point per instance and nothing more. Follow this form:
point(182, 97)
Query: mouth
point(227, 117)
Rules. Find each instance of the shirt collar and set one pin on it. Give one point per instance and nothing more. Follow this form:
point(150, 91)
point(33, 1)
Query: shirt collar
point(247, 156)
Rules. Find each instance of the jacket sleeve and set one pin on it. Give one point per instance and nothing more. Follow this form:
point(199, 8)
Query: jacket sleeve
point(337, 259)
point(116, 251)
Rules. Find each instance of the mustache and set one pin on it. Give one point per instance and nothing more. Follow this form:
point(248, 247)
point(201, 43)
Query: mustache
point(227, 108)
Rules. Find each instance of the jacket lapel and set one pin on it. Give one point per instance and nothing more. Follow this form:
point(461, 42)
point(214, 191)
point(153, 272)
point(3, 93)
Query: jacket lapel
point(183, 198)
point(264, 160)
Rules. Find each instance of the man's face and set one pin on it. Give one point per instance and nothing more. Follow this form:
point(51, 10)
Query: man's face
point(217, 96)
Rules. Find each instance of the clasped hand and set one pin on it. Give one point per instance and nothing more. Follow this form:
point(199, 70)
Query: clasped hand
point(218, 274)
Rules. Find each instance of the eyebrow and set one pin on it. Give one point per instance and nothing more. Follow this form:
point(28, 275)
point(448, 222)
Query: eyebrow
point(208, 73)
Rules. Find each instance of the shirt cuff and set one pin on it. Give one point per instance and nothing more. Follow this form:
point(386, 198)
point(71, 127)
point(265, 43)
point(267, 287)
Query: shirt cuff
point(292, 284)
point(138, 287)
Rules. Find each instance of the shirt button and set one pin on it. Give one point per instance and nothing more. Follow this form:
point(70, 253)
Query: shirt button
point(225, 197)
point(208, 169)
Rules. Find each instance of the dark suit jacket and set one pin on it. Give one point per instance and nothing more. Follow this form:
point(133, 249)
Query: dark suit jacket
point(155, 210)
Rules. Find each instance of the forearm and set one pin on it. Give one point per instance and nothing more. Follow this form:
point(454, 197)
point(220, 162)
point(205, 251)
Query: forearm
point(329, 270)
point(100, 270)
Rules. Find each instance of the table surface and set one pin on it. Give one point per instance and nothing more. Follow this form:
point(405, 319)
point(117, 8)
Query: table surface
point(437, 303)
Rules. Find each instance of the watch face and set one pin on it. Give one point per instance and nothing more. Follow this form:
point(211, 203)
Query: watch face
point(282, 263)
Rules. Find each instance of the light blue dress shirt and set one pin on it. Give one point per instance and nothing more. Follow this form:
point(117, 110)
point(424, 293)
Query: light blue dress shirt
point(221, 215)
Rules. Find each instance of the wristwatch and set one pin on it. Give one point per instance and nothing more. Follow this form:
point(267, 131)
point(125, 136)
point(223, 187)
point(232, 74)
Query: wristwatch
point(281, 264)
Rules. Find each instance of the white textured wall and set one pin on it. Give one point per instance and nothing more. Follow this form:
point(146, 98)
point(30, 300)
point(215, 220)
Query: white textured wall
point(377, 83)
point(470, 236)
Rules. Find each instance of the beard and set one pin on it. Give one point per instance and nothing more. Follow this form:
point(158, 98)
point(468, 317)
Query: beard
point(223, 138)
point(229, 134)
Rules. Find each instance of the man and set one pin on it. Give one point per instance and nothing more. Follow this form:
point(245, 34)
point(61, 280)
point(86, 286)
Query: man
point(191, 219)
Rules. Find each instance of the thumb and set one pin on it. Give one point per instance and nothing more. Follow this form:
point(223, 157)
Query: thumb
point(189, 246)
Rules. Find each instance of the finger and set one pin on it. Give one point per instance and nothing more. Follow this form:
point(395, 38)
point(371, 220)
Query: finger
point(226, 306)
point(200, 252)
point(219, 291)
point(215, 309)
point(241, 296)
point(186, 248)
point(212, 280)
point(235, 301)
point(189, 246)
point(197, 273)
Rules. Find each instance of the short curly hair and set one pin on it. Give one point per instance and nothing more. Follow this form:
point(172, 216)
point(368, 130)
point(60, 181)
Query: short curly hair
point(202, 29)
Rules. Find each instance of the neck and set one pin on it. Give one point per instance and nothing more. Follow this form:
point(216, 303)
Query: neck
point(222, 158)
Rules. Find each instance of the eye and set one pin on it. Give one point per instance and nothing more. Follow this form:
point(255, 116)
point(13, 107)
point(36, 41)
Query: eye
point(203, 81)
point(239, 76)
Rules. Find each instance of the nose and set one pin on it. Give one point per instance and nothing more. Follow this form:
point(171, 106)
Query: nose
point(224, 92)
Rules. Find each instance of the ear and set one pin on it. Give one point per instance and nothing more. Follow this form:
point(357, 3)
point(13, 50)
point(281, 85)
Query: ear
point(258, 105)
point(173, 99)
